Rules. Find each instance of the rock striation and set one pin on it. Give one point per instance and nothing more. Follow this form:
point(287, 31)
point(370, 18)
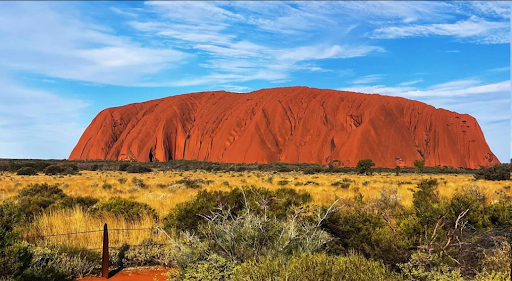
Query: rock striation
point(292, 124)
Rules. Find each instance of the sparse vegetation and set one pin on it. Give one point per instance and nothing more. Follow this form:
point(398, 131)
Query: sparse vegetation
point(365, 167)
point(499, 172)
point(379, 223)
point(419, 165)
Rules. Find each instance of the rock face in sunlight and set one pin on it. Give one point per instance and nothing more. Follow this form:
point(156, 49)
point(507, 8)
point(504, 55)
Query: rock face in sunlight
point(295, 124)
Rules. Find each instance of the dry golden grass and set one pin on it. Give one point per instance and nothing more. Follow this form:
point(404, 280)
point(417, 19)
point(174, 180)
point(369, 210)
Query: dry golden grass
point(75, 221)
point(162, 193)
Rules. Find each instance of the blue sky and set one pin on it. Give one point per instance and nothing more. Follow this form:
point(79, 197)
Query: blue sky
point(63, 62)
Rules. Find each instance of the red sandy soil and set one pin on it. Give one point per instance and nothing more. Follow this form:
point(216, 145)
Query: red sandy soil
point(143, 274)
point(293, 124)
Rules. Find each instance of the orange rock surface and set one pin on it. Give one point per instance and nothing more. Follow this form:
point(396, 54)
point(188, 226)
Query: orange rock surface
point(294, 125)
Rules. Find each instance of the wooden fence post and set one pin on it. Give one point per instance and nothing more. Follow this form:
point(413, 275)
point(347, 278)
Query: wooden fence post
point(104, 258)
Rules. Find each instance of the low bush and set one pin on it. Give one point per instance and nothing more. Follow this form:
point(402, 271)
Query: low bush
point(188, 215)
point(138, 182)
point(252, 235)
point(15, 256)
point(68, 169)
point(36, 198)
point(26, 171)
point(125, 208)
point(123, 166)
point(214, 267)
point(53, 170)
point(138, 169)
point(352, 267)
point(190, 183)
point(364, 166)
point(498, 172)
point(65, 262)
point(106, 185)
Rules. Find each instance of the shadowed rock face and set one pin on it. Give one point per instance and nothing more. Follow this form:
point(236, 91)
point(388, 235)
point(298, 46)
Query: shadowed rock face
point(296, 124)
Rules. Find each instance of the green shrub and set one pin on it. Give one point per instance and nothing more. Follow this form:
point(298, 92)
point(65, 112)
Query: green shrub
point(26, 171)
point(69, 169)
point(426, 202)
point(354, 228)
point(364, 166)
point(419, 165)
point(46, 273)
point(70, 262)
point(188, 215)
point(121, 180)
point(125, 208)
point(306, 267)
point(251, 235)
point(15, 256)
point(472, 200)
point(283, 182)
point(106, 185)
point(341, 184)
point(36, 198)
point(422, 267)
point(498, 172)
point(53, 170)
point(190, 183)
point(213, 268)
point(138, 169)
point(123, 166)
point(138, 182)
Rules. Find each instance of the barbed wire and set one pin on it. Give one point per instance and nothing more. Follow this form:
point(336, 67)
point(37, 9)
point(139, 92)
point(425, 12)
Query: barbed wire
point(90, 231)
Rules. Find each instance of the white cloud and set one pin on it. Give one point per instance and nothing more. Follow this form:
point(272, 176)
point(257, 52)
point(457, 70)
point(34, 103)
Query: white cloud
point(367, 79)
point(56, 42)
point(37, 124)
point(492, 8)
point(474, 29)
point(409, 83)
point(448, 89)
point(235, 88)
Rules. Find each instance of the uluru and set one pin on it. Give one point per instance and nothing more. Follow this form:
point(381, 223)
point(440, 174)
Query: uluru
point(290, 124)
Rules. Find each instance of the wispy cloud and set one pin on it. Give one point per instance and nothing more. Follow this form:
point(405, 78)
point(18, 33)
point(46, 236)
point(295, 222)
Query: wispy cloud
point(367, 79)
point(409, 83)
point(448, 89)
point(474, 29)
point(62, 45)
point(35, 123)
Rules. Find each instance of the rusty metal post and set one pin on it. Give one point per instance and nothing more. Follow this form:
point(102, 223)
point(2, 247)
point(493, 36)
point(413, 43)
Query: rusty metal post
point(104, 258)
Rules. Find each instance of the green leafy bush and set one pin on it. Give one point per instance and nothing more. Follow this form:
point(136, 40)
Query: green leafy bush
point(123, 166)
point(214, 267)
point(15, 256)
point(498, 172)
point(190, 183)
point(251, 235)
point(138, 169)
point(26, 171)
point(364, 166)
point(419, 165)
point(354, 228)
point(188, 215)
point(106, 185)
point(69, 169)
point(351, 267)
point(36, 198)
point(125, 208)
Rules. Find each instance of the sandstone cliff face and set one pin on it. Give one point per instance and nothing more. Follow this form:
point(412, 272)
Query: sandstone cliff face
point(296, 124)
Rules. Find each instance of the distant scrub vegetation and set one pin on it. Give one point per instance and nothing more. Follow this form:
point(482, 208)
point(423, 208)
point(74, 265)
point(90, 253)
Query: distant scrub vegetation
point(64, 167)
point(254, 233)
